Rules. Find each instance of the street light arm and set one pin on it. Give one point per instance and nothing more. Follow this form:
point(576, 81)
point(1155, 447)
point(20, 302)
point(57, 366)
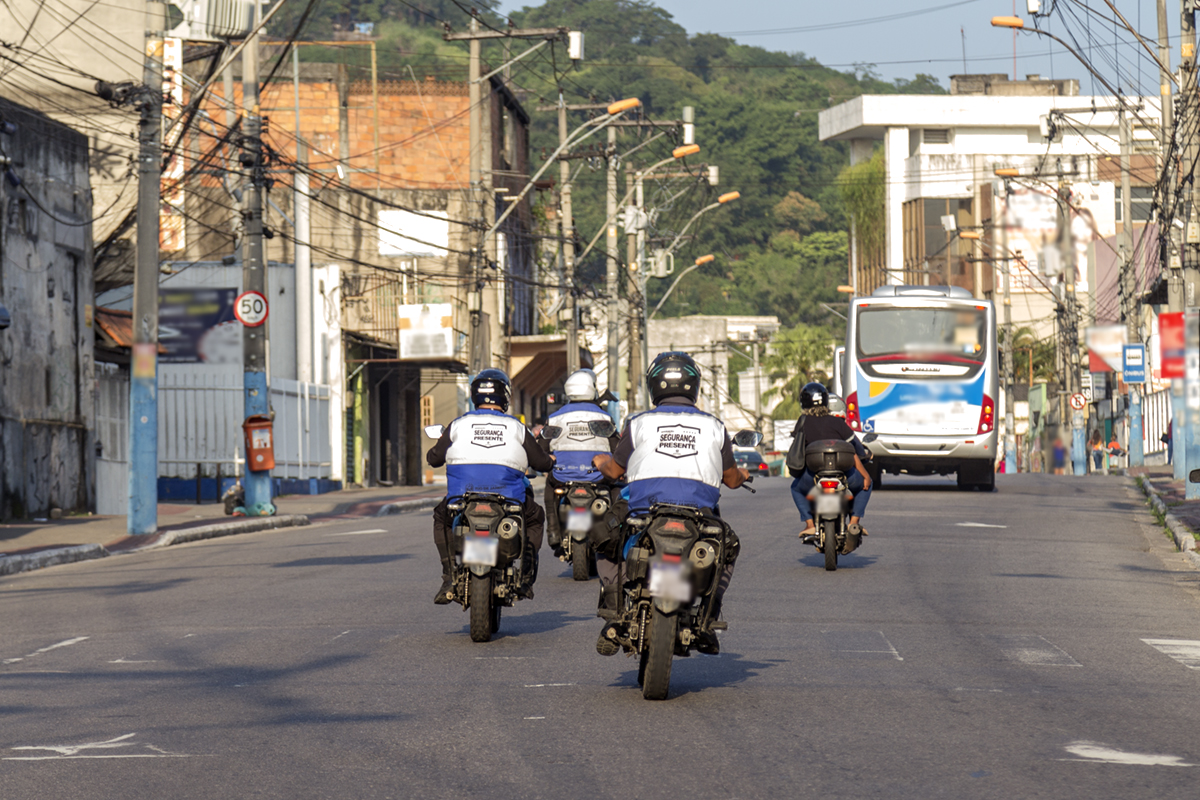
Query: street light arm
point(1019, 24)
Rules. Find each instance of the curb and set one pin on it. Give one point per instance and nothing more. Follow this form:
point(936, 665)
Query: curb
point(246, 525)
point(10, 565)
point(405, 506)
point(1185, 542)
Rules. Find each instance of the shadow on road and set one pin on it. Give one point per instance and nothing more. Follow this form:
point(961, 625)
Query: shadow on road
point(513, 623)
point(852, 561)
point(700, 672)
point(344, 561)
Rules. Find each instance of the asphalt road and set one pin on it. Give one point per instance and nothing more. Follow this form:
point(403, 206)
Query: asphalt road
point(1055, 654)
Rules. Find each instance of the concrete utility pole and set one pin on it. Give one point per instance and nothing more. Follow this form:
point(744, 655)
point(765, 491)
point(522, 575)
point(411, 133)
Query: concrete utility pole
point(256, 391)
point(1129, 303)
point(1170, 244)
point(635, 348)
point(613, 274)
point(568, 241)
point(1010, 420)
point(1191, 255)
point(143, 389)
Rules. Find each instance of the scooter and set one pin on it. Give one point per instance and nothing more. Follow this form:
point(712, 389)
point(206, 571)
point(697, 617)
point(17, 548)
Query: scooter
point(830, 461)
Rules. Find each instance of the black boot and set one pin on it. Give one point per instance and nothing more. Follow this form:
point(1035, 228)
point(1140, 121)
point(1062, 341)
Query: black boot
point(446, 593)
point(529, 573)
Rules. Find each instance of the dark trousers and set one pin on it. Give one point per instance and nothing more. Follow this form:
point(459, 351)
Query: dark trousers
point(550, 501)
point(532, 513)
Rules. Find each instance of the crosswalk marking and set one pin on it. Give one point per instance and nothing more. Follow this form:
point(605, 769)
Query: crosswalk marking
point(1185, 651)
point(1032, 650)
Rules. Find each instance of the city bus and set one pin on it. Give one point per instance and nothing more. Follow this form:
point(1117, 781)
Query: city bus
point(921, 382)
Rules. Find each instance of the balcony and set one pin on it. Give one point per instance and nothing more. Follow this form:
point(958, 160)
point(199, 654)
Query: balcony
point(422, 323)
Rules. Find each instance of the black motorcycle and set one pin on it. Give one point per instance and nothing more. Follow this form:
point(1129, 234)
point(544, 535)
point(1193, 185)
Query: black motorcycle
point(488, 546)
point(672, 563)
point(830, 461)
point(581, 504)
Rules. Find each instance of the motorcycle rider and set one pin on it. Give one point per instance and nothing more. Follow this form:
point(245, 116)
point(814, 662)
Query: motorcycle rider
point(486, 450)
point(662, 466)
point(575, 447)
point(818, 423)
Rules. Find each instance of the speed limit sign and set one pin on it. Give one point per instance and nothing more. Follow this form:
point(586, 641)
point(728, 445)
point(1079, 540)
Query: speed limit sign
point(251, 309)
point(1078, 401)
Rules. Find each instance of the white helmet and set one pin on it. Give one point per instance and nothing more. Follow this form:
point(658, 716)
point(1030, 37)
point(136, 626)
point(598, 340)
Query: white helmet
point(581, 386)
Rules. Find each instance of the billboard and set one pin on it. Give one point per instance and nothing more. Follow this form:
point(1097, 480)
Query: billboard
point(197, 326)
point(1105, 347)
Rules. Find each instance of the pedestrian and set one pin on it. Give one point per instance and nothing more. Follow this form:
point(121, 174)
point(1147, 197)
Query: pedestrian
point(1097, 446)
point(1169, 440)
point(1060, 456)
point(1114, 452)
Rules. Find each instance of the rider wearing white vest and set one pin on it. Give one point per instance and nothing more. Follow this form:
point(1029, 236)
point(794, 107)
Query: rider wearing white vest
point(486, 450)
point(575, 447)
point(675, 453)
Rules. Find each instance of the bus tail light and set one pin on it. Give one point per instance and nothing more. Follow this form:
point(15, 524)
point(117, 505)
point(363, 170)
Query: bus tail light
point(852, 412)
point(987, 415)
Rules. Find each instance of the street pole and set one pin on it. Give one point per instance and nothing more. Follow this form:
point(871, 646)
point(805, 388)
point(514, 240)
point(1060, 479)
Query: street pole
point(1010, 421)
point(1129, 305)
point(143, 388)
point(635, 348)
point(757, 391)
point(257, 483)
point(1070, 336)
point(1191, 260)
point(1169, 253)
point(479, 360)
point(644, 285)
point(302, 210)
point(612, 279)
point(568, 242)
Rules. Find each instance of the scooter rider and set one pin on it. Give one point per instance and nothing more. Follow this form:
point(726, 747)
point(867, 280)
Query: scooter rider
point(818, 423)
point(486, 450)
point(575, 447)
point(691, 473)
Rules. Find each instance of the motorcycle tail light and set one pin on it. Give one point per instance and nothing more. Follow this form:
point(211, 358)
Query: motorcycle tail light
point(674, 526)
point(852, 418)
point(580, 492)
point(829, 486)
point(674, 558)
point(987, 415)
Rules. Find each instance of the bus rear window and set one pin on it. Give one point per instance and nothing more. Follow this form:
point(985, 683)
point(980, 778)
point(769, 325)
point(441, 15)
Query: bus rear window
point(938, 335)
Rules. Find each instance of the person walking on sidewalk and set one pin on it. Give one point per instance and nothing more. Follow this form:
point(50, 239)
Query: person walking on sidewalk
point(1097, 447)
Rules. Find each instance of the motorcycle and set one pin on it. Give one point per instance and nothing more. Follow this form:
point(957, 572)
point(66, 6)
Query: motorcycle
point(830, 461)
point(672, 562)
point(488, 546)
point(581, 504)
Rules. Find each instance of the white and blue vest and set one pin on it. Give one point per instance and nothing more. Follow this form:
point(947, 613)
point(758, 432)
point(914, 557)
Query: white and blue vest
point(576, 446)
point(676, 458)
point(487, 454)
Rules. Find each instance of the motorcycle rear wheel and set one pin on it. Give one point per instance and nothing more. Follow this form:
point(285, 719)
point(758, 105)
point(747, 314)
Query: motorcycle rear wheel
point(829, 526)
point(581, 557)
point(657, 657)
point(480, 601)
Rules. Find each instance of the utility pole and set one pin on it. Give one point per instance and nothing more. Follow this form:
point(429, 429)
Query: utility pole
point(632, 223)
point(143, 390)
point(1170, 240)
point(612, 275)
point(303, 258)
point(568, 241)
point(1191, 256)
point(1128, 282)
point(643, 285)
point(256, 391)
point(1010, 420)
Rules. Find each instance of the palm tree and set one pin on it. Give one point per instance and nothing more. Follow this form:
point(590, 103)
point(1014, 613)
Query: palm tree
point(1033, 358)
point(794, 358)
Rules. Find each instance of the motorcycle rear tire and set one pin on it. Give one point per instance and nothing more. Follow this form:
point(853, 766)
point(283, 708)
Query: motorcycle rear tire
point(830, 548)
point(581, 557)
point(480, 602)
point(658, 655)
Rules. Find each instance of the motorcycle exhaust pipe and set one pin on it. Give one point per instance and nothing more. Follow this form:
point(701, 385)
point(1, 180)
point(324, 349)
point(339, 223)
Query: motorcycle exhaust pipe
point(703, 558)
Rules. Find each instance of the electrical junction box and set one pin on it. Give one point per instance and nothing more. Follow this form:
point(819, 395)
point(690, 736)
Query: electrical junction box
point(209, 20)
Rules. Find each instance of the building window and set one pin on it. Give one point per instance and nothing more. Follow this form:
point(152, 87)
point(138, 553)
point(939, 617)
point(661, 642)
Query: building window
point(1140, 200)
point(426, 411)
point(936, 136)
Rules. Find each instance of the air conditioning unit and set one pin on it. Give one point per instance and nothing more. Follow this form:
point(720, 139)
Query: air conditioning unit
point(210, 20)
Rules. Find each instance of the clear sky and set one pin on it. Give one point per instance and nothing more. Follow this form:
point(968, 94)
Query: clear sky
point(904, 37)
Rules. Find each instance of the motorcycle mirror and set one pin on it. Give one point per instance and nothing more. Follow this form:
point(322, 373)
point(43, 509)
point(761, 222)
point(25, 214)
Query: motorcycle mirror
point(551, 432)
point(435, 431)
point(747, 438)
point(602, 428)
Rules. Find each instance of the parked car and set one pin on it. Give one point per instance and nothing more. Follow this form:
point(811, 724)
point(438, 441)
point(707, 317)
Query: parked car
point(752, 461)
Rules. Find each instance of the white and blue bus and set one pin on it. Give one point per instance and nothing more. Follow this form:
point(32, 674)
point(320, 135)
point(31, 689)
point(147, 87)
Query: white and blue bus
point(921, 382)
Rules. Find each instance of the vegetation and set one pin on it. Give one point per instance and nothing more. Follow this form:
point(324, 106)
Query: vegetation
point(796, 357)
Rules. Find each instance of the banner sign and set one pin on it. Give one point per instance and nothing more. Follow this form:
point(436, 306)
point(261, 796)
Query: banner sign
point(1104, 346)
point(196, 325)
point(1171, 344)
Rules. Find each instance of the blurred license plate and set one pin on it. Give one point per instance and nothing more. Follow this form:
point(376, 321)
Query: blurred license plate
point(580, 519)
point(669, 581)
point(480, 550)
point(829, 505)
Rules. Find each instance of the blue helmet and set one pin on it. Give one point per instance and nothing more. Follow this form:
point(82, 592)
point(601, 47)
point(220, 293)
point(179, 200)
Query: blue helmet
point(490, 387)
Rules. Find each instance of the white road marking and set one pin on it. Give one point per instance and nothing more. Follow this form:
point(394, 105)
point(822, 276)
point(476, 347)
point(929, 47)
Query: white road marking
point(126, 661)
point(359, 533)
point(1185, 651)
point(65, 643)
point(1033, 650)
point(861, 643)
point(1091, 751)
point(534, 717)
point(505, 658)
point(340, 635)
point(544, 685)
point(978, 525)
point(75, 751)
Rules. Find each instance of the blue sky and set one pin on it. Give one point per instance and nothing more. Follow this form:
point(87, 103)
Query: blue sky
point(904, 37)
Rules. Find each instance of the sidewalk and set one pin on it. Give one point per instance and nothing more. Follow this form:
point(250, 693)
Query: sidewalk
point(39, 543)
point(1185, 514)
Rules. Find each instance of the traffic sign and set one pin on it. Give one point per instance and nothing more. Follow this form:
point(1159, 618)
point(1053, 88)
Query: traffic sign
point(1133, 363)
point(1078, 401)
point(251, 309)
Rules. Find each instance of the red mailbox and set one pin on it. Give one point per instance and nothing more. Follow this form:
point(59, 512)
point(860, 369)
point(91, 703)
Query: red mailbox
point(260, 447)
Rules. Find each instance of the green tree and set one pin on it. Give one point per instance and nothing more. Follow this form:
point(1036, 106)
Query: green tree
point(796, 356)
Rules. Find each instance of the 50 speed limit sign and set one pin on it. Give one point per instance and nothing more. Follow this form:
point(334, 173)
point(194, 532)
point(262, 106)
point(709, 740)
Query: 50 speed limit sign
point(251, 309)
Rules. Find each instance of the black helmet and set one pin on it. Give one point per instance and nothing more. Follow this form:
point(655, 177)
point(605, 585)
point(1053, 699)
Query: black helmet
point(673, 374)
point(814, 395)
point(490, 387)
